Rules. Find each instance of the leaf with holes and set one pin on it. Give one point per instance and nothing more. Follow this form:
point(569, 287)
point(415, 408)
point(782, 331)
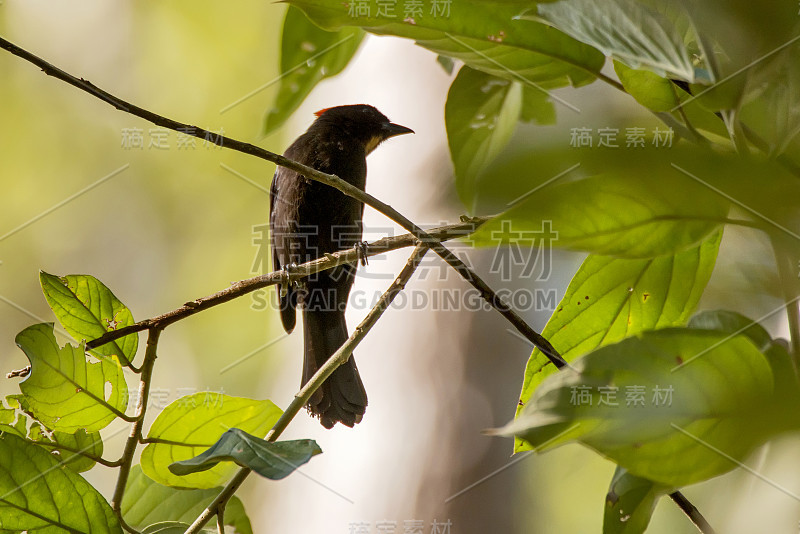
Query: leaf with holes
point(147, 502)
point(192, 424)
point(11, 420)
point(38, 495)
point(610, 299)
point(273, 460)
point(309, 54)
point(73, 449)
point(64, 390)
point(87, 309)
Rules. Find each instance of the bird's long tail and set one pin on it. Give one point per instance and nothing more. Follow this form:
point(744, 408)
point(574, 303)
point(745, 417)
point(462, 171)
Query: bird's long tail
point(342, 397)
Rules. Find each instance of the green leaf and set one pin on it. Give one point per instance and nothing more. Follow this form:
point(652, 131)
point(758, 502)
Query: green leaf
point(16, 422)
point(64, 390)
point(630, 503)
point(732, 323)
point(11, 420)
point(87, 309)
point(610, 299)
point(649, 89)
point(308, 56)
point(626, 215)
point(480, 115)
point(483, 34)
point(147, 502)
point(90, 444)
point(36, 494)
point(446, 63)
point(192, 424)
point(721, 96)
point(773, 114)
point(787, 383)
point(627, 30)
point(687, 405)
point(536, 106)
point(273, 460)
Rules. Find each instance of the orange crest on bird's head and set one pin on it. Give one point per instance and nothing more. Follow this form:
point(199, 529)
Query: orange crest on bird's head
point(320, 112)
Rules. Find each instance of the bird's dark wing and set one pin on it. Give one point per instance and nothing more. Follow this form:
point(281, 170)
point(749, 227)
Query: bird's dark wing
point(280, 257)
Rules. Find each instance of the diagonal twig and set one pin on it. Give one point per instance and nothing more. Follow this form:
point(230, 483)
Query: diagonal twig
point(488, 294)
point(136, 426)
point(301, 397)
point(691, 512)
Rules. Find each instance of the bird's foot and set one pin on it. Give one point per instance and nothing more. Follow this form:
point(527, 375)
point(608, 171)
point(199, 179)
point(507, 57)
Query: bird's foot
point(362, 249)
point(286, 278)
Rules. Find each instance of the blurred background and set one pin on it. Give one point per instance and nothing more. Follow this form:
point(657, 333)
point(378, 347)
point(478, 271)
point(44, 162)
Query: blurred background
point(171, 220)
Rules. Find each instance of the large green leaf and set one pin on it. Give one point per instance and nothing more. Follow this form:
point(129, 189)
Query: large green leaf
point(610, 299)
point(486, 35)
point(635, 403)
point(480, 115)
point(627, 30)
point(37, 494)
point(65, 391)
point(624, 215)
point(308, 55)
point(147, 502)
point(273, 460)
point(192, 424)
point(630, 503)
point(87, 309)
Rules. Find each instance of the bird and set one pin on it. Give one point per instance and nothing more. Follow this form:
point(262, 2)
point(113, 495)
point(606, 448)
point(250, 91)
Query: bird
point(309, 219)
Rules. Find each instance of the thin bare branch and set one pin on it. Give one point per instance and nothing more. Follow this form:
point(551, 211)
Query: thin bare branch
point(301, 397)
point(138, 423)
point(486, 292)
point(692, 512)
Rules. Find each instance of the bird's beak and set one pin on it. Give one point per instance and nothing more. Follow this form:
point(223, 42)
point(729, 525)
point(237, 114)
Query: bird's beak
point(391, 129)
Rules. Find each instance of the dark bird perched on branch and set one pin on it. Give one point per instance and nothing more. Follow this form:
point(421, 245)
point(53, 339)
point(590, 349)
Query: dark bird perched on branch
point(309, 219)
